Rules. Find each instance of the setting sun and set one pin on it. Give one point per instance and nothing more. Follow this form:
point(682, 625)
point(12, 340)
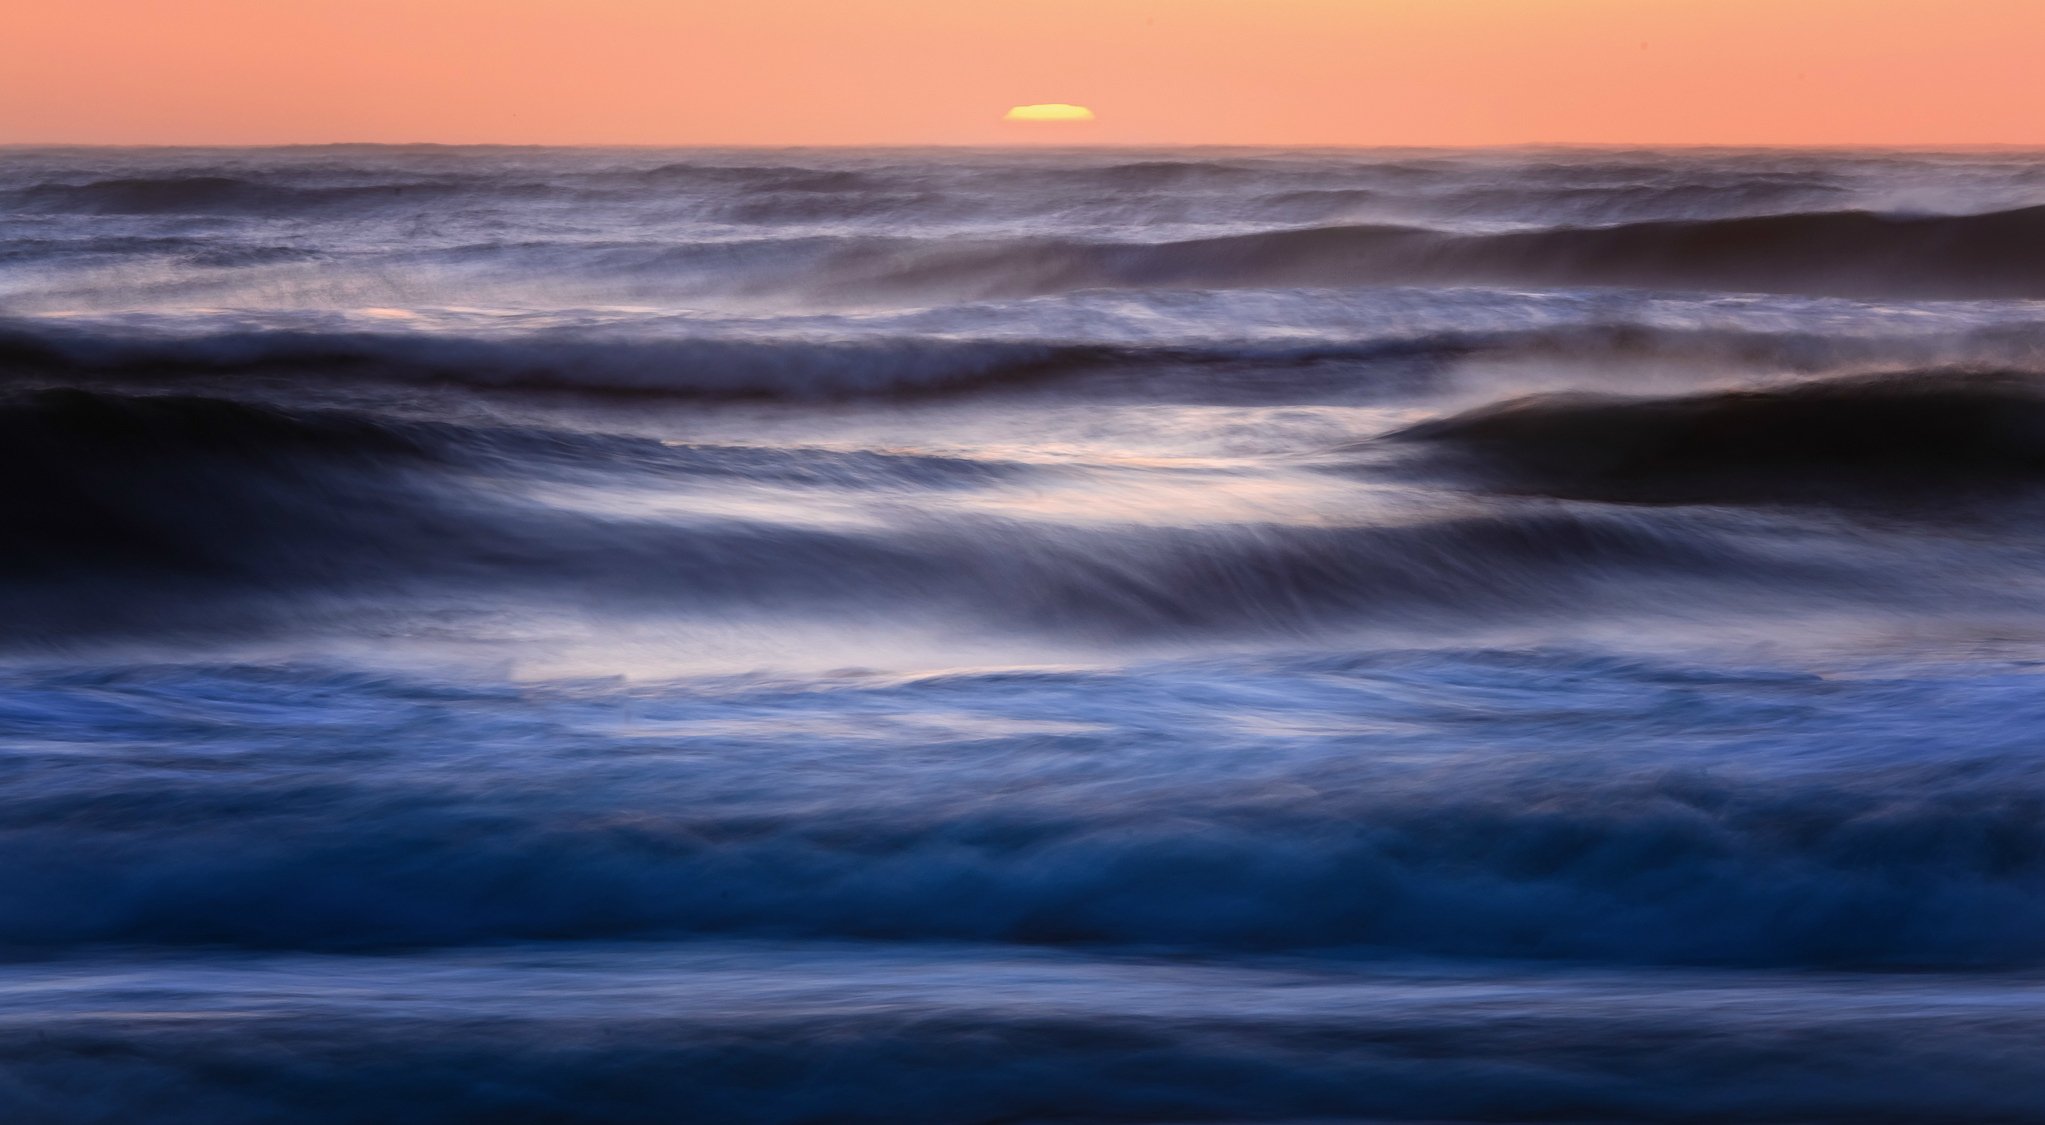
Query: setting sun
point(1050, 113)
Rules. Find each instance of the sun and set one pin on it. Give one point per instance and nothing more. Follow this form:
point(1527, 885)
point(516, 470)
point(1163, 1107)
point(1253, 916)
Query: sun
point(1050, 113)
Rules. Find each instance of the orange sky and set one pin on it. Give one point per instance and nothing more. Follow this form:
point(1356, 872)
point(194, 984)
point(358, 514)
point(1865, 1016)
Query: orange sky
point(942, 71)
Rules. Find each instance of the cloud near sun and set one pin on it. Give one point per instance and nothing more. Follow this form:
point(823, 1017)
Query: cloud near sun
point(1050, 112)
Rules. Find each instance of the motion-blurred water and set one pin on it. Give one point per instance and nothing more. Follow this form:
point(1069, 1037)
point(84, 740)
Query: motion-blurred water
point(503, 635)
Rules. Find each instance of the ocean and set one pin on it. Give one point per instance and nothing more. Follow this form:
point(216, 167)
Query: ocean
point(947, 637)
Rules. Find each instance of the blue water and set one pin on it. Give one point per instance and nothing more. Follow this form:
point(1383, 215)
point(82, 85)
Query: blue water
point(501, 635)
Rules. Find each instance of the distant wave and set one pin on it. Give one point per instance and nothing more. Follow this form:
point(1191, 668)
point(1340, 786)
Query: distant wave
point(205, 193)
point(173, 195)
point(929, 232)
point(210, 193)
point(1842, 253)
point(1892, 439)
point(1824, 253)
point(1752, 194)
point(751, 177)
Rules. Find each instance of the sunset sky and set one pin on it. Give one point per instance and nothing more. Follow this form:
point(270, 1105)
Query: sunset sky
point(1423, 72)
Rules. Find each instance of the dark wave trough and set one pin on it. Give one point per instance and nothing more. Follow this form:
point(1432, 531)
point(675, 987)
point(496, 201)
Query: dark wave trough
point(1917, 437)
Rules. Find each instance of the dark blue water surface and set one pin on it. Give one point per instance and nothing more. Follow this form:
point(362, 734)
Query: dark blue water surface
point(543, 636)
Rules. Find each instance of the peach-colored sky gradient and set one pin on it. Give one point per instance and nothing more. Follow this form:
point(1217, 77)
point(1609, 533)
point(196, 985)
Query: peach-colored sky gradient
point(1342, 72)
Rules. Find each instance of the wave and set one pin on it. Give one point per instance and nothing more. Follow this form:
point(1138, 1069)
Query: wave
point(1288, 580)
point(133, 514)
point(207, 195)
point(51, 433)
point(942, 351)
point(1835, 253)
point(116, 501)
point(1686, 870)
point(718, 368)
point(627, 360)
point(772, 1036)
point(1662, 197)
point(872, 1047)
point(1575, 205)
point(940, 231)
point(1901, 438)
point(39, 250)
point(282, 190)
point(596, 361)
point(766, 178)
point(1150, 174)
point(130, 515)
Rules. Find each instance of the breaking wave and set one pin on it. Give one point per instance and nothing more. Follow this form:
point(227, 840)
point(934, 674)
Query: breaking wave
point(141, 513)
point(1944, 866)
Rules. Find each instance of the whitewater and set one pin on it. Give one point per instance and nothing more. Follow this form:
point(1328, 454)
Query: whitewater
point(932, 636)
